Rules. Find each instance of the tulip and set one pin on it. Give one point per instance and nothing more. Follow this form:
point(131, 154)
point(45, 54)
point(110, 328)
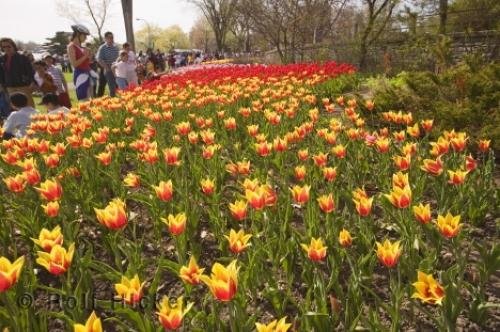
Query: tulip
point(320, 159)
point(50, 190)
point(93, 324)
point(400, 197)
point(171, 156)
point(230, 123)
point(16, 184)
point(422, 213)
point(300, 173)
point(326, 203)
point(433, 167)
point(253, 130)
point(32, 176)
point(132, 180)
point(243, 167)
point(129, 290)
point(413, 131)
point(270, 195)
point(402, 162)
point(113, 216)
point(207, 186)
point(256, 198)
point(400, 180)
point(58, 260)
point(388, 253)
point(316, 250)
point(191, 273)
point(183, 128)
point(409, 148)
point(470, 163)
point(223, 282)
point(440, 147)
point(339, 151)
point(9, 272)
point(193, 137)
point(238, 241)
point(274, 326)
point(300, 194)
point(48, 239)
point(150, 155)
point(263, 149)
point(170, 316)
point(449, 225)
point(329, 173)
point(238, 210)
point(209, 151)
point(164, 190)
point(51, 209)
point(457, 177)
point(207, 136)
point(176, 224)
point(427, 289)
point(303, 154)
point(363, 206)
point(459, 142)
point(280, 145)
point(250, 184)
point(399, 135)
point(427, 125)
point(383, 144)
point(345, 238)
point(51, 160)
point(484, 145)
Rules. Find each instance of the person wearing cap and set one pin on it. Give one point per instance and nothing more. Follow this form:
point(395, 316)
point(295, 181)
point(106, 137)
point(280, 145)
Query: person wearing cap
point(51, 102)
point(59, 80)
point(107, 54)
point(19, 120)
point(17, 72)
point(79, 57)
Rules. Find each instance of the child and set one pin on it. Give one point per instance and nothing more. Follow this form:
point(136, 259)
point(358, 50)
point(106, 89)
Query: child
point(51, 101)
point(121, 69)
point(43, 78)
point(59, 80)
point(18, 121)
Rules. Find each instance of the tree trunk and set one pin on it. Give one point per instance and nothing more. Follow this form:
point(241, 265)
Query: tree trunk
point(443, 15)
point(127, 7)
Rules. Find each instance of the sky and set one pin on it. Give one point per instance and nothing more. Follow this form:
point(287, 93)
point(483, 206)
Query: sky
point(35, 20)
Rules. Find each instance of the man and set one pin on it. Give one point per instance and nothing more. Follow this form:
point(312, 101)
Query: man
point(59, 80)
point(17, 70)
point(18, 121)
point(106, 56)
point(51, 101)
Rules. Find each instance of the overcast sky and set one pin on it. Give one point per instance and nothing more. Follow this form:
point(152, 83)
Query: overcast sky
point(35, 20)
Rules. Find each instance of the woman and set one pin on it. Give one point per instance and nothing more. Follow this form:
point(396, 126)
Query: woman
point(79, 57)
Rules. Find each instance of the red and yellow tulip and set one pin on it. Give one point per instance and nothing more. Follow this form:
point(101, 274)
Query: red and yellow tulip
point(48, 239)
point(191, 273)
point(171, 316)
point(238, 241)
point(176, 223)
point(114, 215)
point(58, 260)
point(316, 250)
point(448, 225)
point(9, 272)
point(427, 289)
point(129, 290)
point(223, 282)
point(388, 253)
point(93, 324)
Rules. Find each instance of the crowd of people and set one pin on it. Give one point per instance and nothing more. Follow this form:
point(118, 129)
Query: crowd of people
point(112, 66)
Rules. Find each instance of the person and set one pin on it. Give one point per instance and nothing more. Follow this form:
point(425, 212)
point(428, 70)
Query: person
point(44, 80)
point(121, 70)
point(19, 120)
point(51, 102)
point(106, 56)
point(79, 57)
point(59, 80)
point(17, 70)
point(132, 65)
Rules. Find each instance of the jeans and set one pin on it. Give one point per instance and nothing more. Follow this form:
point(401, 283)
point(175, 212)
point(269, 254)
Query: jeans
point(122, 83)
point(111, 79)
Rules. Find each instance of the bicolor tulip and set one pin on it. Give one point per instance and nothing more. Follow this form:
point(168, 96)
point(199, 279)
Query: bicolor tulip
point(300, 173)
point(48, 239)
point(457, 177)
point(402, 162)
point(329, 173)
point(129, 290)
point(400, 197)
point(132, 180)
point(207, 186)
point(345, 239)
point(388, 253)
point(433, 167)
point(58, 260)
point(449, 225)
point(238, 241)
point(363, 206)
point(427, 289)
point(176, 224)
point(16, 183)
point(238, 209)
point(93, 324)
point(171, 316)
point(256, 198)
point(171, 156)
point(484, 145)
point(9, 272)
point(113, 216)
point(316, 250)
point(191, 273)
point(223, 282)
point(164, 190)
point(50, 190)
point(274, 326)
point(422, 213)
point(300, 194)
point(326, 203)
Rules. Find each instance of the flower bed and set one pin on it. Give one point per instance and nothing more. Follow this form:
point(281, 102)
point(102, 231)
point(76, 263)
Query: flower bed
point(234, 199)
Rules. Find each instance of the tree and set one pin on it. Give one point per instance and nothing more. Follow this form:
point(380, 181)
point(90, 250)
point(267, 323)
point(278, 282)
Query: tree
point(90, 12)
point(378, 13)
point(163, 39)
point(202, 36)
point(220, 15)
point(127, 8)
point(58, 43)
